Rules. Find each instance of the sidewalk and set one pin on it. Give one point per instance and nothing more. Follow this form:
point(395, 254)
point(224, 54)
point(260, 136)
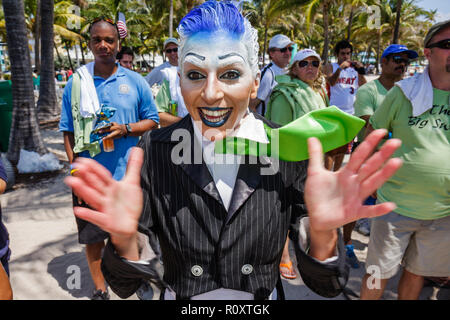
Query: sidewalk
point(46, 256)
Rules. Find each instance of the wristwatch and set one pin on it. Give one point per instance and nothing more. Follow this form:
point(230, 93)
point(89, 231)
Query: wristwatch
point(127, 125)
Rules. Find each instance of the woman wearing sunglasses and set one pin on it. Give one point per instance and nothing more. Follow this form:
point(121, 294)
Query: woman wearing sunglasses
point(298, 92)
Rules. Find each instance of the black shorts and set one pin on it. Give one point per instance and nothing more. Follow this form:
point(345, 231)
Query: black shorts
point(87, 232)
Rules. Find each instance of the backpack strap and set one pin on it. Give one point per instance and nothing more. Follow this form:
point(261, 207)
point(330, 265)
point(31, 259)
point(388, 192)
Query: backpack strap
point(263, 103)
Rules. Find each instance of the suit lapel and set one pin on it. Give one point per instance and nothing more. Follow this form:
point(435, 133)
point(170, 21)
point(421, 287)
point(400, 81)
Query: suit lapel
point(247, 180)
point(196, 168)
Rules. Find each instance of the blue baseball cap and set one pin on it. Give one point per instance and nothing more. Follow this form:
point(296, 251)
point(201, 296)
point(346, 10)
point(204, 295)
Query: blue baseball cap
point(398, 48)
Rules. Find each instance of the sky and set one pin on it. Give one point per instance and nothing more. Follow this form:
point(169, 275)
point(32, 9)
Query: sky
point(442, 6)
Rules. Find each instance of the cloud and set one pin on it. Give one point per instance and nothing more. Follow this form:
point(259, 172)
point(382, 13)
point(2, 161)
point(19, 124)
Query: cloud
point(442, 16)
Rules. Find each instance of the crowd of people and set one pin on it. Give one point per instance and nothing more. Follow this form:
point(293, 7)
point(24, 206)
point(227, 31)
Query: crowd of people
point(200, 227)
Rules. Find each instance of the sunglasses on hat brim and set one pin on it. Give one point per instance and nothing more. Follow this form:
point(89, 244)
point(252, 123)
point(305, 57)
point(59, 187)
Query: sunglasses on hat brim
point(108, 20)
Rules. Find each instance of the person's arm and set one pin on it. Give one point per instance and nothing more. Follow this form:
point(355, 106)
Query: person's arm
point(118, 131)
point(361, 79)
point(123, 198)
point(155, 76)
point(69, 144)
point(367, 127)
point(148, 115)
point(2, 186)
point(332, 78)
point(121, 208)
point(6, 292)
point(253, 104)
point(327, 191)
point(166, 119)
point(359, 67)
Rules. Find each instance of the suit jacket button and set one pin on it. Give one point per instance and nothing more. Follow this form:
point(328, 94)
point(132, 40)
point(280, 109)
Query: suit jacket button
point(247, 269)
point(196, 270)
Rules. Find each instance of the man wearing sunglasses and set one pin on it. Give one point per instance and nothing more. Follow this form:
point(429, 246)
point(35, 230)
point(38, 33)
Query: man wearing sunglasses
point(417, 234)
point(394, 63)
point(280, 53)
point(158, 74)
point(168, 98)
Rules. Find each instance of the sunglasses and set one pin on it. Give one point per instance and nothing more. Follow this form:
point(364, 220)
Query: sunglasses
point(398, 60)
point(285, 49)
point(103, 19)
point(172, 50)
point(304, 63)
point(443, 44)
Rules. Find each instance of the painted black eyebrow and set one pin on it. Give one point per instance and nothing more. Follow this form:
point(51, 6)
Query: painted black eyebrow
point(230, 55)
point(195, 55)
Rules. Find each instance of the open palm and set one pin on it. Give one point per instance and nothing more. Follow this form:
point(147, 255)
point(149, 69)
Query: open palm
point(116, 205)
point(334, 199)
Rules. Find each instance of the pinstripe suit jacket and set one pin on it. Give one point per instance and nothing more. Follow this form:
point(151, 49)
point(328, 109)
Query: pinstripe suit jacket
point(203, 246)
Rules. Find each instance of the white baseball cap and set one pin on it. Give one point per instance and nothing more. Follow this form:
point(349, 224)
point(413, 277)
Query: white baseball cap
point(279, 41)
point(305, 53)
point(170, 40)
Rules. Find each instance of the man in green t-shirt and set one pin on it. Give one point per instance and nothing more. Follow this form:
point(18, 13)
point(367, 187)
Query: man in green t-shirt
point(394, 63)
point(417, 235)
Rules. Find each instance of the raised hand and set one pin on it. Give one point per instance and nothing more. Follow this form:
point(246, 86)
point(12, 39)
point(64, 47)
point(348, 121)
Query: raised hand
point(116, 205)
point(334, 199)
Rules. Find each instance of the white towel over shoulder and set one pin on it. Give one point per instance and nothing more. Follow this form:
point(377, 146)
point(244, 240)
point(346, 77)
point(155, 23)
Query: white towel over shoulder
point(419, 90)
point(89, 104)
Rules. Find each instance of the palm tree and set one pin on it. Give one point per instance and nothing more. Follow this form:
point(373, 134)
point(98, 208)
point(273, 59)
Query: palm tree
point(397, 21)
point(355, 9)
point(37, 34)
point(171, 19)
point(269, 13)
point(25, 132)
point(311, 11)
point(47, 103)
point(67, 26)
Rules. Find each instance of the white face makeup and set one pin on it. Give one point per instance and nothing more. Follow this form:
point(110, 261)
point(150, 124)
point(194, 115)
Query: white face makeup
point(216, 82)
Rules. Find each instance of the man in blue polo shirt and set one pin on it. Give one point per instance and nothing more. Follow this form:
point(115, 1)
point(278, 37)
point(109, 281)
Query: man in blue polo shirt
point(135, 113)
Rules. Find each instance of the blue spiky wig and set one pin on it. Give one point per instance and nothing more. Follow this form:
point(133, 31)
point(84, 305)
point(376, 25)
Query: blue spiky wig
point(214, 17)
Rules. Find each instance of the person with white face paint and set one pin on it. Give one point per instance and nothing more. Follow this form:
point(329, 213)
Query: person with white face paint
point(220, 227)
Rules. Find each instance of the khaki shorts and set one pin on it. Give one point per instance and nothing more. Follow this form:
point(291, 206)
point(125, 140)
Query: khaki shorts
point(421, 246)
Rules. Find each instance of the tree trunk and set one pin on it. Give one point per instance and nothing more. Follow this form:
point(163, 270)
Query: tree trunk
point(37, 37)
point(171, 19)
point(326, 40)
point(83, 61)
point(57, 53)
point(25, 132)
point(350, 22)
point(47, 103)
point(68, 55)
point(378, 52)
point(397, 22)
point(265, 46)
point(368, 54)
